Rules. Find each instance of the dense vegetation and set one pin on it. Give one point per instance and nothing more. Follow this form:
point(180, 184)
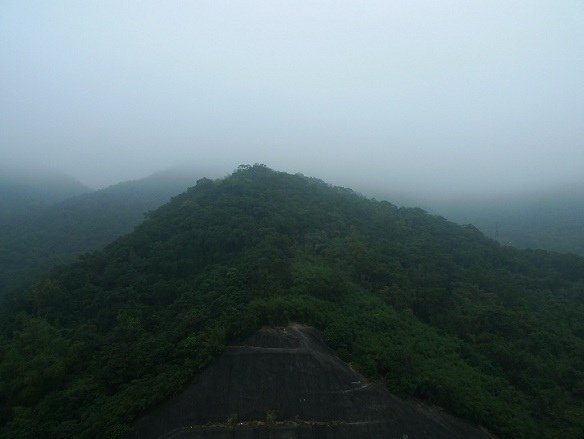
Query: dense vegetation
point(435, 310)
point(30, 245)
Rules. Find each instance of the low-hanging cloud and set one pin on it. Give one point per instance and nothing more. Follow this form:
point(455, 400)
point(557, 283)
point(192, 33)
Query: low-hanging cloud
point(443, 97)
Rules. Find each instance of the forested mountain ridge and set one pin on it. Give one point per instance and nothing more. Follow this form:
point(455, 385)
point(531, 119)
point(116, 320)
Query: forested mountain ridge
point(435, 310)
point(31, 245)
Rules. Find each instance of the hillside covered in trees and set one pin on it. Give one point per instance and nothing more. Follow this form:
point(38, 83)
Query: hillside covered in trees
point(32, 244)
point(429, 308)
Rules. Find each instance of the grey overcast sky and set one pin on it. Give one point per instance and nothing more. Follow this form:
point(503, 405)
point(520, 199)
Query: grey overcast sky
point(440, 95)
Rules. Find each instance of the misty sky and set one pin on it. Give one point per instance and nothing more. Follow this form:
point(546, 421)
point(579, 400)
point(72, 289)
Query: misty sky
point(438, 96)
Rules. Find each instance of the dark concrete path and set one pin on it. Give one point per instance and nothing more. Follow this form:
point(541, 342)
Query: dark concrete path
point(285, 383)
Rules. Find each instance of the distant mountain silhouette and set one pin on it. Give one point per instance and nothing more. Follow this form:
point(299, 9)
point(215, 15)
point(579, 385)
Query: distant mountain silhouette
point(55, 234)
point(23, 191)
point(550, 219)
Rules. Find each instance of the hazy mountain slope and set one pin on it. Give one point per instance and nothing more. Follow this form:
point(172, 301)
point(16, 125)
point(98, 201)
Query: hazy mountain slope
point(551, 220)
point(33, 244)
point(433, 309)
point(24, 191)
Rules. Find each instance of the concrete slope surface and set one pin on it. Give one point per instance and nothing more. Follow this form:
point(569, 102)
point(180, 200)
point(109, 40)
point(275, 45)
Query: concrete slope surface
point(285, 383)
